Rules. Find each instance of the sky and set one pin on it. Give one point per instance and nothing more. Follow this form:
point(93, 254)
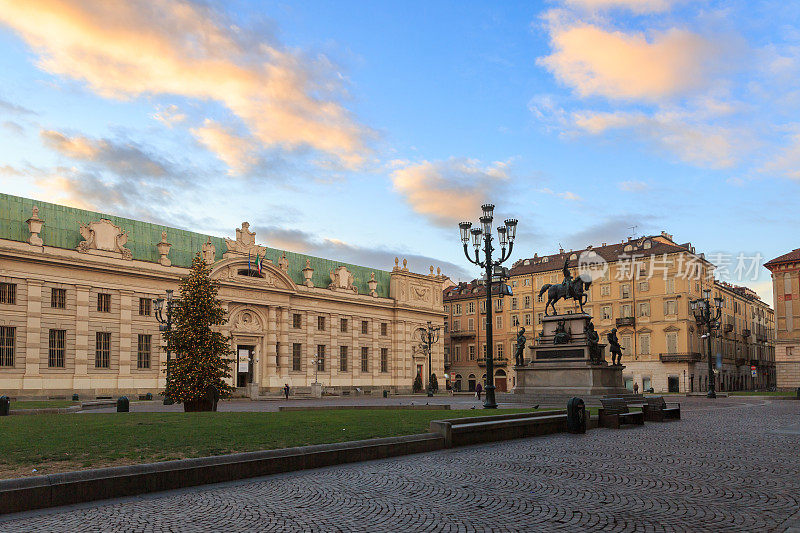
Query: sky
point(361, 131)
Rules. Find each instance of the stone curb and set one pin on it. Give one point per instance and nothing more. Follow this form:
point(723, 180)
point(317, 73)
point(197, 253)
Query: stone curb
point(444, 407)
point(54, 490)
point(46, 411)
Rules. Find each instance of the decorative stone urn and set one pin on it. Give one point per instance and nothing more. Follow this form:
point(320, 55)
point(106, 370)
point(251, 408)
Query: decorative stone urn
point(35, 225)
point(308, 272)
point(163, 250)
point(373, 285)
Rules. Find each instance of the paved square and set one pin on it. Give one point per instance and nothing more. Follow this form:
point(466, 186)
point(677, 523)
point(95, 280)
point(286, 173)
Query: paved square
point(730, 465)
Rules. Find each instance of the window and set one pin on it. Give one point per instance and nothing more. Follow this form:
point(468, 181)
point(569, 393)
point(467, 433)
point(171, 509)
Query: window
point(514, 321)
point(483, 350)
point(513, 304)
point(483, 306)
point(605, 290)
point(342, 358)
point(526, 282)
point(498, 304)
point(457, 310)
point(499, 323)
point(470, 324)
point(540, 298)
point(624, 291)
point(364, 327)
point(458, 352)
point(58, 298)
point(321, 323)
point(55, 353)
point(625, 344)
point(499, 351)
point(472, 352)
point(343, 325)
point(528, 320)
point(644, 286)
point(384, 360)
point(297, 354)
point(606, 312)
point(7, 344)
point(670, 286)
point(672, 342)
point(446, 308)
point(526, 302)
point(644, 343)
point(364, 359)
point(456, 325)
point(143, 351)
point(8, 293)
point(277, 354)
point(625, 310)
point(297, 320)
point(471, 307)
point(384, 329)
point(104, 302)
point(539, 318)
point(144, 307)
point(102, 350)
point(670, 307)
point(321, 357)
point(446, 324)
point(644, 308)
point(513, 283)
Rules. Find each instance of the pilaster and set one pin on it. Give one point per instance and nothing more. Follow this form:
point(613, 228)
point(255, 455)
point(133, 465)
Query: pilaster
point(125, 304)
point(33, 356)
point(283, 336)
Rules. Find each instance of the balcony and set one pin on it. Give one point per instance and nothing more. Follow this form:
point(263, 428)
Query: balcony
point(728, 328)
point(692, 357)
point(740, 361)
point(626, 321)
point(753, 362)
point(502, 361)
point(462, 334)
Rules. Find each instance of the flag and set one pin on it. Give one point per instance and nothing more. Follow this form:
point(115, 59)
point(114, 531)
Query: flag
point(258, 264)
point(248, 260)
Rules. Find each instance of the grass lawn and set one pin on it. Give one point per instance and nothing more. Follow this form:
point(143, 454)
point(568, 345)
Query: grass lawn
point(42, 404)
point(762, 393)
point(66, 442)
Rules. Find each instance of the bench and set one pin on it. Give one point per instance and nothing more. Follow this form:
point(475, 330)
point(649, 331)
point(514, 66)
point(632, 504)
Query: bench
point(656, 409)
point(478, 429)
point(615, 412)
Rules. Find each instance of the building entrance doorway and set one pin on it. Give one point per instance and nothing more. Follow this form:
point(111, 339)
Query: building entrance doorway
point(673, 384)
point(501, 381)
point(471, 383)
point(244, 365)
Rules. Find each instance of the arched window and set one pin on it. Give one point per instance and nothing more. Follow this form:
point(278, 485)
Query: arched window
point(249, 273)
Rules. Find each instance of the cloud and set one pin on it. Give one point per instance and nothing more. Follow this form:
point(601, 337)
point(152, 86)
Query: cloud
point(698, 143)
point(334, 249)
point(14, 109)
point(234, 150)
point(636, 6)
point(633, 186)
point(618, 65)
point(169, 115)
point(452, 190)
point(124, 159)
point(610, 230)
point(13, 127)
point(172, 47)
point(571, 196)
point(787, 161)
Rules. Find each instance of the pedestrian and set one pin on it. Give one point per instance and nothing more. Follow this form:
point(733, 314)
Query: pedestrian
point(286, 390)
point(636, 388)
point(478, 390)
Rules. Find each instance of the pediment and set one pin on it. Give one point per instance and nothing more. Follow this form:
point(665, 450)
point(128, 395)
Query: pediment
point(232, 271)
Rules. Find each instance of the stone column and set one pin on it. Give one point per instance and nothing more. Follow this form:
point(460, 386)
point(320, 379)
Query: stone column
point(283, 336)
point(333, 340)
point(82, 293)
point(311, 347)
point(33, 328)
point(125, 303)
point(272, 339)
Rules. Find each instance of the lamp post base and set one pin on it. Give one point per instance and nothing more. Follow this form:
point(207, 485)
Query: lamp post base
point(490, 402)
point(711, 394)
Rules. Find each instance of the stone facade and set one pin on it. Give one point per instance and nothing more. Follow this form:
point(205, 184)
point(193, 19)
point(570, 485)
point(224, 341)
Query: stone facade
point(786, 294)
point(77, 315)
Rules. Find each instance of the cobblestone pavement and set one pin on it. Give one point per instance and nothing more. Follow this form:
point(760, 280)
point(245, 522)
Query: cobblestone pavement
point(731, 465)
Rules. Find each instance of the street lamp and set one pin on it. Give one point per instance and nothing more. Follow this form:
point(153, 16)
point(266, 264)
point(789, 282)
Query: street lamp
point(165, 324)
point(506, 235)
point(429, 336)
point(707, 315)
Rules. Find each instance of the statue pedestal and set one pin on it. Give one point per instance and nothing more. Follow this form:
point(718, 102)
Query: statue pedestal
point(561, 362)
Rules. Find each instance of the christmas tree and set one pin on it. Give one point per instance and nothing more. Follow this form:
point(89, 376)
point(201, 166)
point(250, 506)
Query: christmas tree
point(417, 386)
point(434, 383)
point(200, 365)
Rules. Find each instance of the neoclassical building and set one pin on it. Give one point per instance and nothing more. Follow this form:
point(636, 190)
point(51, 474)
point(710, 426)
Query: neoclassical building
point(77, 314)
point(785, 271)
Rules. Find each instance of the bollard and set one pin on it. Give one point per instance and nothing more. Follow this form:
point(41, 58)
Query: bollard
point(798, 393)
point(5, 405)
point(75, 398)
point(576, 416)
point(123, 405)
point(148, 396)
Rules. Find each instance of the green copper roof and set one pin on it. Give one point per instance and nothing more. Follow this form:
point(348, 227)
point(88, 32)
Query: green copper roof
point(62, 230)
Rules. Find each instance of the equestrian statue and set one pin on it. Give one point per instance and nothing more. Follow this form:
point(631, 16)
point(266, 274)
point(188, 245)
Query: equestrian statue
point(569, 289)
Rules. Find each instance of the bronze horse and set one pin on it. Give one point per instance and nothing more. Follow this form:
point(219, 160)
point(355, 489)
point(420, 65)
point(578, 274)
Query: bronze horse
point(576, 290)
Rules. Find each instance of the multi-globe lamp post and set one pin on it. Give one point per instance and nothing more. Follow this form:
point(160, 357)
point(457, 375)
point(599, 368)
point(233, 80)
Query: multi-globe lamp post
point(707, 316)
point(483, 236)
point(429, 336)
point(165, 324)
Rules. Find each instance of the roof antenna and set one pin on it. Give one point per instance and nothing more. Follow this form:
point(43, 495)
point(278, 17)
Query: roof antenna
point(633, 231)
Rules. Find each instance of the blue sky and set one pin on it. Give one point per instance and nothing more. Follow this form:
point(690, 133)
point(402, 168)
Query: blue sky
point(364, 130)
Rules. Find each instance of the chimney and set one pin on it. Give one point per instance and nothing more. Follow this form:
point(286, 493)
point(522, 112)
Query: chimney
point(603, 244)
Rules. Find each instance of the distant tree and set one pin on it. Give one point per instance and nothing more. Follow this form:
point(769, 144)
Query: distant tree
point(417, 387)
point(434, 383)
point(200, 366)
